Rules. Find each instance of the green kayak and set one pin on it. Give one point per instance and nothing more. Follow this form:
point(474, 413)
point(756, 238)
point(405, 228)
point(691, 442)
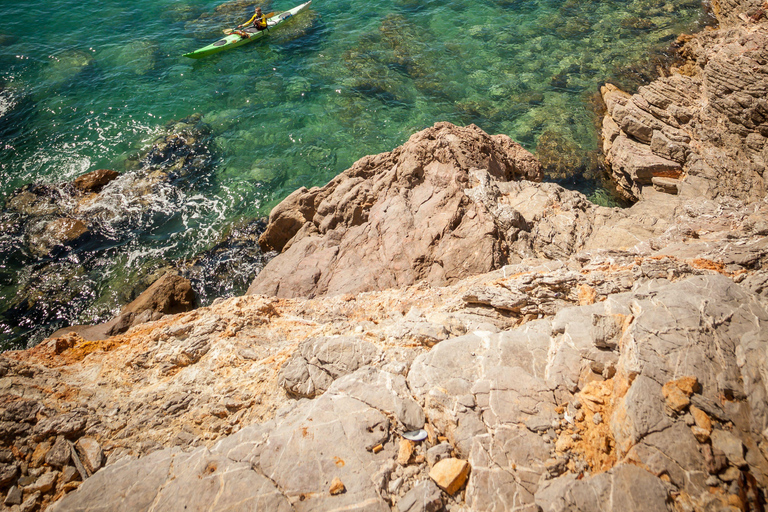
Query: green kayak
point(234, 40)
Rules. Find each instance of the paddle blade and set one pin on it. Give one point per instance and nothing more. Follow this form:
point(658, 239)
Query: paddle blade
point(228, 31)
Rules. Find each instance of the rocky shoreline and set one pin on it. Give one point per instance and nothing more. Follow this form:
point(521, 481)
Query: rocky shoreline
point(558, 355)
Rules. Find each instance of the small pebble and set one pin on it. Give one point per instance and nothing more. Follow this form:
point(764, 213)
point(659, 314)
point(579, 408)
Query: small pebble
point(597, 418)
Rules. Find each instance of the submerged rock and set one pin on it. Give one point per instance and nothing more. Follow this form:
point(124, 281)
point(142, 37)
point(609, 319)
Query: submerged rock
point(560, 156)
point(227, 268)
point(59, 235)
point(67, 65)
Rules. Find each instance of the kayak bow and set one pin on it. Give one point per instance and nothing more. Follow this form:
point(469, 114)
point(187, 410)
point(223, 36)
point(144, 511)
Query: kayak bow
point(234, 40)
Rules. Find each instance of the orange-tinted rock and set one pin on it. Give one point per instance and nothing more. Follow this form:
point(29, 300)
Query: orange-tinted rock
point(677, 393)
point(405, 452)
point(450, 474)
point(168, 295)
point(337, 487)
point(701, 418)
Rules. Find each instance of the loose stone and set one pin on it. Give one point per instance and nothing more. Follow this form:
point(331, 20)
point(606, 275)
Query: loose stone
point(337, 487)
point(450, 474)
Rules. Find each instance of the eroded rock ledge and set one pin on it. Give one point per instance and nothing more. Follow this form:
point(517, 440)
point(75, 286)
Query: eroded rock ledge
point(701, 131)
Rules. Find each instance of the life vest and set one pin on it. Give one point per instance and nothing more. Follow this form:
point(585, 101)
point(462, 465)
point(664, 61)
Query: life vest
point(258, 21)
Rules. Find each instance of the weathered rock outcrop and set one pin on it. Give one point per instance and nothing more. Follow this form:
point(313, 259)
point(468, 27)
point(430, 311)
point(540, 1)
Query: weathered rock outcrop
point(536, 373)
point(701, 131)
point(169, 295)
point(584, 358)
point(394, 219)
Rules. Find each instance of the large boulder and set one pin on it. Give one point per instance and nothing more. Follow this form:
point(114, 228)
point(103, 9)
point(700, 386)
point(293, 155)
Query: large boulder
point(394, 218)
point(169, 295)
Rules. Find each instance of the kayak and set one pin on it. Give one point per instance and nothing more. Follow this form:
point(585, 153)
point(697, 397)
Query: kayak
point(234, 40)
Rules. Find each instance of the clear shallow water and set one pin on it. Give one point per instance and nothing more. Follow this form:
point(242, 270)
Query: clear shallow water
point(85, 84)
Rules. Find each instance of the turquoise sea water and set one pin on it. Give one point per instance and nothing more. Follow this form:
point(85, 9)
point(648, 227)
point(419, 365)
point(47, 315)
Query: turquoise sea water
point(86, 84)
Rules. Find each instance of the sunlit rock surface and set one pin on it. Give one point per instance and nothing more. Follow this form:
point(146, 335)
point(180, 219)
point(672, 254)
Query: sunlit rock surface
point(602, 359)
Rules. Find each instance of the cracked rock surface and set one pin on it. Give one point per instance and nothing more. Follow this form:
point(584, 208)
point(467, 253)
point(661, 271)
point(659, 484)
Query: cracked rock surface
point(581, 358)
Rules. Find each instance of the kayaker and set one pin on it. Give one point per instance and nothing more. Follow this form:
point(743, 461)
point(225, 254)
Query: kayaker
point(257, 21)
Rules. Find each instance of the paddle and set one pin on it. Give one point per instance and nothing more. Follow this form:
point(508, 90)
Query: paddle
point(228, 31)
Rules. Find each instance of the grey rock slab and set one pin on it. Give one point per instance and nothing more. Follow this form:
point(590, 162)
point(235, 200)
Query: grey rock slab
point(329, 437)
point(296, 455)
point(30, 503)
point(13, 497)
point(505, 372)
point(8, 473)
point(623, 488)
point(383, 391)
point(730, 445)
point(425, 496)
point(699, 327)
point(207, 481)
point(44, 483)
point(59, 454)
point(68, 474)
point(131, 483)
point(676, 452)
point(90, 453)
point(507, 465)
point(438, 452)
point(640, 412)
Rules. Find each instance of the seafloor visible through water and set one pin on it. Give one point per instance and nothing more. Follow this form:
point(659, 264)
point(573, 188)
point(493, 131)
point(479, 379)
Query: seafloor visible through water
point(88, 84)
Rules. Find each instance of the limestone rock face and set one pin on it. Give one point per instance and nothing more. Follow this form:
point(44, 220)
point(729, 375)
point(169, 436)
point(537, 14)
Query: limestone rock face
point(528, 377)
point(394, 218)
point(701, 131)
point(424, 497)
point(626, 487)
point(270, 466)
point(527, 409)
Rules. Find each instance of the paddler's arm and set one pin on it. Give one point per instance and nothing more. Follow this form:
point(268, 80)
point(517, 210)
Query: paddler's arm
point(248, 22)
